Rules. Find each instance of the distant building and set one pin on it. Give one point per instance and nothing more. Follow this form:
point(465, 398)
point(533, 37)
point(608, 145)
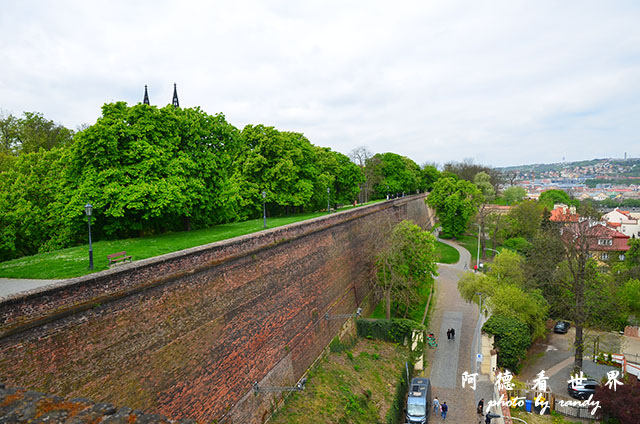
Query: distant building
point(602, 242)
point(623, 221)
point(564, 214)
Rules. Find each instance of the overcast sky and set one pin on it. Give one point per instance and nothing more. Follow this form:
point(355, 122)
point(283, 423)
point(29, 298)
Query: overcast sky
point(502, 82)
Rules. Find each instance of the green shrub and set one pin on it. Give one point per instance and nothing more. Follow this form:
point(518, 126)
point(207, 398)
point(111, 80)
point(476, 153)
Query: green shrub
point(396, 411)
point(517, 244)
point(336, 346)
point(395, 330)
point(511, 338)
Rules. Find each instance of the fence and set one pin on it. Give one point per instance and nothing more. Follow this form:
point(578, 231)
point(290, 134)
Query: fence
point(633, 357)
point(561, 404)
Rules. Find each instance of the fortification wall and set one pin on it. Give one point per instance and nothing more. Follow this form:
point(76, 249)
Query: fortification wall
point(186, 334)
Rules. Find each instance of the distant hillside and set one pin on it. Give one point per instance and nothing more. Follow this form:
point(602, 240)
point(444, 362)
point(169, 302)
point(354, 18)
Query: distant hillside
point(626, 167)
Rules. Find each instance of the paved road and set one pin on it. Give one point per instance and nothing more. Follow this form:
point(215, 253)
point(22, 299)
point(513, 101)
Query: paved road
point(10, 286)
point(555, 357)
point(451, 358)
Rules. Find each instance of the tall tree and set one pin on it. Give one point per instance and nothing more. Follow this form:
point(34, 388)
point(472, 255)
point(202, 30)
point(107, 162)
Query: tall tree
point(430, 175)
point(406, 263)
point(336, 172)
point(281, 163)
point(578, 239)
point(525, 219)
point(467, 170)
point(455, 202)
point(514, 194)
point(31, 133)
point(551, 197)
point(398, 174)
point(360, 156)
point(26, 192)
point(149, 170)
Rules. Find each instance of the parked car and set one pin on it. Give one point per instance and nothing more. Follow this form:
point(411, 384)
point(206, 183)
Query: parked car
point(418, 401)
point(561, 327)
point(583, 389)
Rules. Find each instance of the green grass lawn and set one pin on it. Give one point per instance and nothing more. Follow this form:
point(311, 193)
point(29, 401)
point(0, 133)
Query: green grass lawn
point(470, 242)
point(416, 310)
point(446, 254)
point(74, 261)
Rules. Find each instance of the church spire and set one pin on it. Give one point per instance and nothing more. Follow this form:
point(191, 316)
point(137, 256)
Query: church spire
point(175, 96)
point(146, 96)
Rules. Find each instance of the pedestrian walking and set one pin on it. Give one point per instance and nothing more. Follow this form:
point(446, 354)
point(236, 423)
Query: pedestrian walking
point(453, 333)
point(444, 409)
point(448, 334)
point(436, 405)
point(481, 406)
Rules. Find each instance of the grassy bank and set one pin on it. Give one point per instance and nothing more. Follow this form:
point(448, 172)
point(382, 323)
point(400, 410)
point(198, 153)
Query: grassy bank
point(74, 261)
point(446, 254)
point(355, 386)
point(469, 242)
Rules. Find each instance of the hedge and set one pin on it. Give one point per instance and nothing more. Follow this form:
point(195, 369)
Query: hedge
point(512, 338)
point(396, 411)
point(395, 330)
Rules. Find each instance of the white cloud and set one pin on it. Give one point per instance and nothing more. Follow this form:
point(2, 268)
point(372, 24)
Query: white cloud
point(504, 82)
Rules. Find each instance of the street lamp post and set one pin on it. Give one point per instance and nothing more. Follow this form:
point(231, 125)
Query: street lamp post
point(493, 250)
point(88, 209)
point(264, 209)
point(328, 200)
point(478, 257)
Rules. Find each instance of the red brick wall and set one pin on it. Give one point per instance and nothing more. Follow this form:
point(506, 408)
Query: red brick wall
point(186, 334)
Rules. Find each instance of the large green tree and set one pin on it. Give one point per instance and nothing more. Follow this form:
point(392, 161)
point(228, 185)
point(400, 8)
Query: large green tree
point(148, 170)
point(27, 190)
point(455, 202)
point(338, 173)
point(525, 219)
point(430, 174)
point(396, 174)
point(31, 133)
point(551, 197)
point(504, 290)
point(514, 194)
point(406, 263)
point(283, 164)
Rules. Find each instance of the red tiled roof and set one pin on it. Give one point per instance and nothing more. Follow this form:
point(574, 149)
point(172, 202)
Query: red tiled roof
point(597, 232)
point(559, 215)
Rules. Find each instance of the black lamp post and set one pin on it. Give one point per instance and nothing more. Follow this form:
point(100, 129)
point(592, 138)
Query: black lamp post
point(328, 200)
point(264, 209)
point(88, 209)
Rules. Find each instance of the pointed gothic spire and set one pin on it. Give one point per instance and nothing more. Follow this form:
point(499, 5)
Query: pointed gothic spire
point(175, 96)
point(146, 96)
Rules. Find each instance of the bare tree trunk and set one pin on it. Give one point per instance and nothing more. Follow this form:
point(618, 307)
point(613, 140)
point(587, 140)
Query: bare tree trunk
point(579, 346)
point(388, 305)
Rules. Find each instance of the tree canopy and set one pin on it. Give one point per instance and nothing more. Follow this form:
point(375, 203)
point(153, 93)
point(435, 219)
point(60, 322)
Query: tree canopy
point(149, 170)
point(406, 263)
point(551, 197)
point(455, 202)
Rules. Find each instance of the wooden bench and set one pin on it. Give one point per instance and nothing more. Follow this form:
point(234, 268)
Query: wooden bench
point(116, 258)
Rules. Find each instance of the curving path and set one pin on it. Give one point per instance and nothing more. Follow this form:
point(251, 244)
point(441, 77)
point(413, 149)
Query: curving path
point(452, 358)
point(9, 286)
